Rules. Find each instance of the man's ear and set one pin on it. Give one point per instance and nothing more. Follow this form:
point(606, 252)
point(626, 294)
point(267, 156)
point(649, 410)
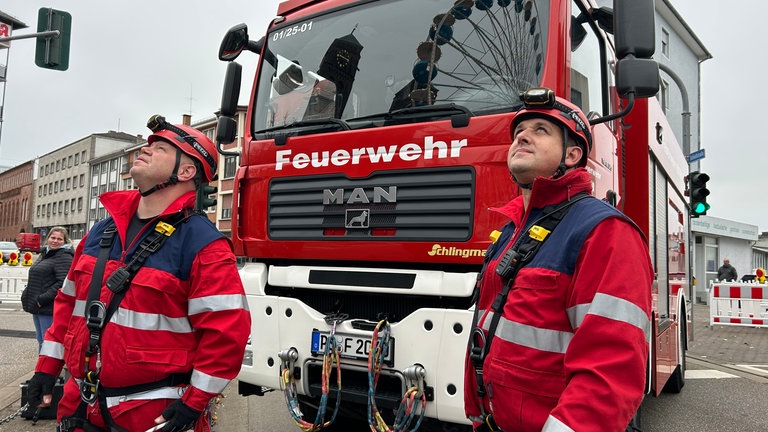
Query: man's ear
point(186, 171)
point(573, 156)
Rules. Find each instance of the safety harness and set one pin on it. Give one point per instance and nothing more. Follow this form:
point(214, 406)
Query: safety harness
point(98, 314)
point(516, 257)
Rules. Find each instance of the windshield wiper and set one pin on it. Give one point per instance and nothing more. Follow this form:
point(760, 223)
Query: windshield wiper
point(302, 127)
point(459, 114)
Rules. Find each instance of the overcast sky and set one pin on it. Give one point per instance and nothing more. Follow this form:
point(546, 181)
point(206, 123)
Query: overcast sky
point(132, 59)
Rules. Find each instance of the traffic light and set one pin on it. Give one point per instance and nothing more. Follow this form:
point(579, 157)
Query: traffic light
point(204, 199)
point(698, 193)
point(52, 52)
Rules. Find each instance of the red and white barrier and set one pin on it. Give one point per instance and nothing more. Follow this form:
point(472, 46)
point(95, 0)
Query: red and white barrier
point(738, 304)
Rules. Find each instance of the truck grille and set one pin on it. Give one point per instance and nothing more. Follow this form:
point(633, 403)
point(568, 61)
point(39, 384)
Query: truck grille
point(419, 205)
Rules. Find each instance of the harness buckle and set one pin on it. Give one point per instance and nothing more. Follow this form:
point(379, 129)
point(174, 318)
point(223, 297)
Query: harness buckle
point(89, 389)
point(95, 315)
point(477, 342)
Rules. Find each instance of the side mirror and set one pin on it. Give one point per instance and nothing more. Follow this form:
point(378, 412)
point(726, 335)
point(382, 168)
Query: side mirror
point(634, 29)
point(231, 91)
point(637, 76)
point(226, 126)
point(234, 42)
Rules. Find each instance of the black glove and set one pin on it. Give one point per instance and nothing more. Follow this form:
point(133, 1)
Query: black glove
point(180, 417)
point(41, 384)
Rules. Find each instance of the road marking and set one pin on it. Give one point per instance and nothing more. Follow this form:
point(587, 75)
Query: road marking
point(708, 374)
point(755, 369)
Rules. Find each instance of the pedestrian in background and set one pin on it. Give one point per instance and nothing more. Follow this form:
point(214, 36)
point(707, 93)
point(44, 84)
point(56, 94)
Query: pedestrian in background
point(726, 272)
point(560, 334)
point(45, 278)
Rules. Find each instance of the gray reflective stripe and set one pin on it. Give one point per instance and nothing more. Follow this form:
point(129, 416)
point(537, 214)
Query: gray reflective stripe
point(217, 303)
point(68, 288)
point(577, 313)
point(141, 320)
point(208, 383)
point(614, 308)
point(161, 393)
point(150, 321)
point(79, 309)
point(555, 425)
point(52, 349)
point(533, 337)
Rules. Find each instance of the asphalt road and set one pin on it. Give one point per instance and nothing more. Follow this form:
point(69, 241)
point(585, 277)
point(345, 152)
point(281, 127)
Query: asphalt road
point(715, 398)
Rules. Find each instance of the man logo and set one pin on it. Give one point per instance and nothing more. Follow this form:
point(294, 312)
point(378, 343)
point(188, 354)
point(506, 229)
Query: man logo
point(356, 218)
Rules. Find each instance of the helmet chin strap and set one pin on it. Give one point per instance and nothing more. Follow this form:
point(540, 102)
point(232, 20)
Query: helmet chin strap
point(172, 180)
point(560, 171)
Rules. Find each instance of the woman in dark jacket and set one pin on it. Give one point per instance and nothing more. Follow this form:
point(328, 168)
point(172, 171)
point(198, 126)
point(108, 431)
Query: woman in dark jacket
point(45, 278)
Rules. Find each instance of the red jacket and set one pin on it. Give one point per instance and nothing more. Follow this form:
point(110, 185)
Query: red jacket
point(185, 310)
point(571, 348)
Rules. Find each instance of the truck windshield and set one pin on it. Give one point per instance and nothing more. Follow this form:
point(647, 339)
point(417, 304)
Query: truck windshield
point(373, 58)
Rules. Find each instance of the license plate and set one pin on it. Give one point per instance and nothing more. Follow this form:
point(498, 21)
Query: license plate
point(350, 346)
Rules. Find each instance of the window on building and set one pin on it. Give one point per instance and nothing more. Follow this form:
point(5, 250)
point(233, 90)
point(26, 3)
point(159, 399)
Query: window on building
point(69, 183)
point(82, 157)
point(72, 205)
point(230, 166)
point(82, 180)
point(58, 167)
point(77, 158)
point(69, 161)
point(226, 213)
point(665, 42)
point(80, 204)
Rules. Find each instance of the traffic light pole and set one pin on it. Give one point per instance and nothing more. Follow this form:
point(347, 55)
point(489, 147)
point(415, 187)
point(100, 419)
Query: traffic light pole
point(45, 34)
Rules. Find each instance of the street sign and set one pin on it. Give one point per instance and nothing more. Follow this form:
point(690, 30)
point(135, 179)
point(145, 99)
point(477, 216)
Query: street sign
point(698, 154)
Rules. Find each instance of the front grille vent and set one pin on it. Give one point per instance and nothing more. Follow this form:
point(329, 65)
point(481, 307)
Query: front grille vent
point(418, 205)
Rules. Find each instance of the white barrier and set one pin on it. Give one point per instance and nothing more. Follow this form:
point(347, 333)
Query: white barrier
point(11, 288)
point(738, 304)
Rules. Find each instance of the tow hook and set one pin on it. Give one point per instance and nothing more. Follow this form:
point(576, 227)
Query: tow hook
point(289, 357)
point(414, 375)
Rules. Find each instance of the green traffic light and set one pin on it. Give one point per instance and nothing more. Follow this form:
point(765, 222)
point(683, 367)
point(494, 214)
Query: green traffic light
point(700, 208)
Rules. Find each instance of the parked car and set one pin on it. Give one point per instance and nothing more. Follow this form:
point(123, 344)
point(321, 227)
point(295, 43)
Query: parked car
point(6, 248)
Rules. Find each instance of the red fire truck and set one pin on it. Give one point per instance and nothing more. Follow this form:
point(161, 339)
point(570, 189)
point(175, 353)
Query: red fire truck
point(373, 146)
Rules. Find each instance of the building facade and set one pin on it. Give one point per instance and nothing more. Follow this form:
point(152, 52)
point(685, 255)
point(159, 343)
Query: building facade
point(716, 239)
point(16, 200)
point(62, 190)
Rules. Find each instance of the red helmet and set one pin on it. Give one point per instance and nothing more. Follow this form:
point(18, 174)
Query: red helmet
point(187, 139)
point(542, 102)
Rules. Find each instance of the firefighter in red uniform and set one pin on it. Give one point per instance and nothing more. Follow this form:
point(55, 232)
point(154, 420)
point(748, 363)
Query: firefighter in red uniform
point(153, 340)
point(561, 328)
